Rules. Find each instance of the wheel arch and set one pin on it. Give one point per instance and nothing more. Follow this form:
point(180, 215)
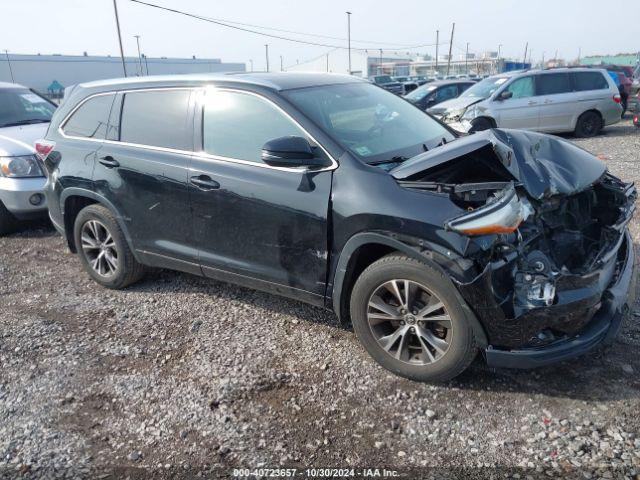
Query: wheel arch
point(594, 110)
point(365, 248)
point(73, 200)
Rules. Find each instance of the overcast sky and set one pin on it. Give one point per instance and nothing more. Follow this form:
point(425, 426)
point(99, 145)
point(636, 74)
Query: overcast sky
point(75, 26)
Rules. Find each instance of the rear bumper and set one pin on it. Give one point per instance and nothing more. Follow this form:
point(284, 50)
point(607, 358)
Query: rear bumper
point(15, 194)
point(602, 329)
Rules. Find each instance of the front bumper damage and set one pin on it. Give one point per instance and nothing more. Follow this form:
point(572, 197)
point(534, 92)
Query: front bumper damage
point(601, 320)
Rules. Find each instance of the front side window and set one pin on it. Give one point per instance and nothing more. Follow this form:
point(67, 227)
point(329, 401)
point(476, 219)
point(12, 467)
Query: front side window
point(446, 93)
point(237, 125)
point(553, 83)
point(522, 88)
point(90, 119)
point(20, 106)
point(485, 88)
point(373, 124)
point(157, 118)
point(420, 92)
point(584, 81)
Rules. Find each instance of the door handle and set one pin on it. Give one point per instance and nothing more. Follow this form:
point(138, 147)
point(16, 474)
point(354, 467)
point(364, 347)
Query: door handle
point(531, 102)
point(205, 182)
point(109, 161)
point(548, 101)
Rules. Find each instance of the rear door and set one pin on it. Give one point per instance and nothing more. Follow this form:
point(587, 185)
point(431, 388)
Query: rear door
point(558, 103)
point(261, 225)
point(142, 169)
point(522, 110)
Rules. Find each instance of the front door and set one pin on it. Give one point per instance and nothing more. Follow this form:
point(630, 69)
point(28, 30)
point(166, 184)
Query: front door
point(522, 110)
point(261, 225)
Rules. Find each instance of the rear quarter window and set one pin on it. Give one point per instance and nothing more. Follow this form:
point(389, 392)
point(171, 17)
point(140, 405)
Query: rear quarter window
point(90, 119)
point(157, 118)
point(584, 81)
point(553, 83)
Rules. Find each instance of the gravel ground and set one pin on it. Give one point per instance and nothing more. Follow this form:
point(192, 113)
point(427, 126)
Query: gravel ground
point(180, 376)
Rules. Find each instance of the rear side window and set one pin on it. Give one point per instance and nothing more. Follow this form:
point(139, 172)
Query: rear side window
point(90, 120)
point(583, 81)
point(553, 83)
point(157, 118)
point(237, 125)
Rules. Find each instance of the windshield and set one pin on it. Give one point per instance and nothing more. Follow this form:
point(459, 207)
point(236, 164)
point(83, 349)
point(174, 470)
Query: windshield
point(373, 124)
point(20, 106)
point(383, 79)
point(485, 88)
point(420, 92)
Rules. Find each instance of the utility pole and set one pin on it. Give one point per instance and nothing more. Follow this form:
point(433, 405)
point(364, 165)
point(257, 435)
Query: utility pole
point(115, 9)
point(499, 57)
point(266, 53)
point(543, 59)
point(139, 56)
point(6, 52)
point(437, 46)
point(281, 64)
point(349, 38)
point(526, 47)
point(380, 64)
point(251, 63)
point(327, 63)
point(145, 63)
point(453, 29)
point(579, 54)
point(466, 60)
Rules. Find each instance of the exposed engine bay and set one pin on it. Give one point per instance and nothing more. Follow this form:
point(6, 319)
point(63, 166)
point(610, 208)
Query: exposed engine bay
point(541, 225)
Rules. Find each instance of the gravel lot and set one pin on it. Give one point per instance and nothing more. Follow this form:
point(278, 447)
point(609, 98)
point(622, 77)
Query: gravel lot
point(182, 376)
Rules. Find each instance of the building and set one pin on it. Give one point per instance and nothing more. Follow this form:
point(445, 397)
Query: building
point(43, 71)
point(631, 60)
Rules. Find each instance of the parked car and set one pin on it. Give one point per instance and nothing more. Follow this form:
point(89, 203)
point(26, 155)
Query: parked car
point(576, 100)
point(24, 117)
point(431, 94)
point(433, 246)
point(388, 83)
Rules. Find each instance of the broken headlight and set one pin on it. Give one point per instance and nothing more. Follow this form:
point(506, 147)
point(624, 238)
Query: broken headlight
point(503, 214)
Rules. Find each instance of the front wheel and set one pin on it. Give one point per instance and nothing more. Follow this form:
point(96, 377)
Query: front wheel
point(408, 317)
point(480, 124)
point(103, 249)
point(8, 222)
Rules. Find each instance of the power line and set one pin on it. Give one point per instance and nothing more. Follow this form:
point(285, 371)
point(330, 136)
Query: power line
point(279, 37)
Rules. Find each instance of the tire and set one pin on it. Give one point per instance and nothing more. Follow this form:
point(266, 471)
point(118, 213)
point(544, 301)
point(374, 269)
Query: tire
point(8, 223)
point(97, 234)
point(589, 125)
point(480, 124)
point(413, 362)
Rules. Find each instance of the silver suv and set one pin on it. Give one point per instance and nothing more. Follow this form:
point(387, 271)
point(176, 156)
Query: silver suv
point(576, 100)
point(24, 118)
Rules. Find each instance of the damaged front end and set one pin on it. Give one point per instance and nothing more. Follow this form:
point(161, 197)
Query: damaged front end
point(546, 229)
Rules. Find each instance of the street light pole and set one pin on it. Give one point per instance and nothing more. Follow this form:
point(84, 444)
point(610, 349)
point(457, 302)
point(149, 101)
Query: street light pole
point(251, 63)
point(139, 55)
point(266, 52)
point(115, 9)
point(466, 60)
point(437, 46)
point(6, 52)
point(349, 38)
point(281, 64)
point(380, 65)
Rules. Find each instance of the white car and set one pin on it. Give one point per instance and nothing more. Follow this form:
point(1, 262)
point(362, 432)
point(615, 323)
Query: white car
point(579, 100)
point(24, 118)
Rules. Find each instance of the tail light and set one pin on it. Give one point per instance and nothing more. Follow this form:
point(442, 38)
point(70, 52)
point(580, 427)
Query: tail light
point(617, 98)
point(44, 148)
point(636, 119)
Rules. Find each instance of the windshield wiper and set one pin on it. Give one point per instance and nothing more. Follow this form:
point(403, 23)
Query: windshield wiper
point(396, 159)
point(25, 122)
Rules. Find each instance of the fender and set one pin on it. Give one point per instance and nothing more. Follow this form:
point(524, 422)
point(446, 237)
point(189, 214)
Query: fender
point(436, 256)
point(82, 192)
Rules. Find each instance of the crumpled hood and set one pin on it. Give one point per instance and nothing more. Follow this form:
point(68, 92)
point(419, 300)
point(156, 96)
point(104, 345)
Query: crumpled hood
point(454, 104)
point(545, 165)
point(19, 140)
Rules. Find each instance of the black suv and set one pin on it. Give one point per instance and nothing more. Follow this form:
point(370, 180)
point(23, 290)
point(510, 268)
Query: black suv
point(330, 190)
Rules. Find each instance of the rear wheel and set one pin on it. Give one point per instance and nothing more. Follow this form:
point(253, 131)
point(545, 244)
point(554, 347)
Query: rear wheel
point(8, 222)
point(408, 317)
point(589, 125)
point(103, 249)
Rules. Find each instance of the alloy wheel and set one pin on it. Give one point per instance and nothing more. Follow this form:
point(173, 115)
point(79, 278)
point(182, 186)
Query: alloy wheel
point(409, 322)
point(99, 248)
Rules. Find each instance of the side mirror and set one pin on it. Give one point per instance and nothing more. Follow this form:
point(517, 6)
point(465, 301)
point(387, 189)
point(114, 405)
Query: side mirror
point(505, 96)
point(290, 151)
